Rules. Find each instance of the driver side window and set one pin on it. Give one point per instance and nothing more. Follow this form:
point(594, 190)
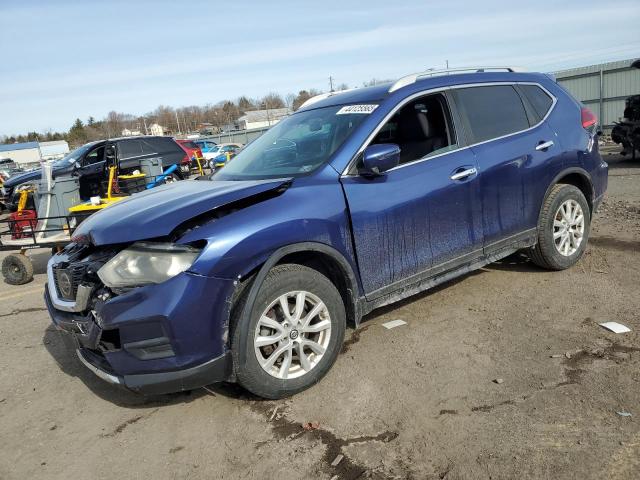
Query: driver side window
point(94, 156)
point(421, 128)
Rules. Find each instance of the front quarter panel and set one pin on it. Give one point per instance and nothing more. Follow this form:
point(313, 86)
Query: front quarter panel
point(311, 210)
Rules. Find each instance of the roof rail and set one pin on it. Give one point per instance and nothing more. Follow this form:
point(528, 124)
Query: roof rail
point(414, 77)
point(322, 96)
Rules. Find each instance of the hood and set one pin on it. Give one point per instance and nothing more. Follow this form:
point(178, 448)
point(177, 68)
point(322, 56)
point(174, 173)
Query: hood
point(21, 178)
point(34, 175)
point(157, 212)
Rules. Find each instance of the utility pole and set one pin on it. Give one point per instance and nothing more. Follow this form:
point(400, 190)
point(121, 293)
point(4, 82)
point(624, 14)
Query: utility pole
point(178, 122)
point(330, 83)
point(266, 106)
point(447, 64)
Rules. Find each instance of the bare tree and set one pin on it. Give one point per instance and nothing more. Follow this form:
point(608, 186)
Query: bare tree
point(272, 100)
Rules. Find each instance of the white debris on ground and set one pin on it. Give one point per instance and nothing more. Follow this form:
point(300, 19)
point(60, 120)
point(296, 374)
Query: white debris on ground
point(393, 324)
point(615, 327)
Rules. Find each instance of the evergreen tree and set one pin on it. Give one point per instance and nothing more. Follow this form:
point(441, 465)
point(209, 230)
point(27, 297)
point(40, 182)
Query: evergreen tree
point(77, 134)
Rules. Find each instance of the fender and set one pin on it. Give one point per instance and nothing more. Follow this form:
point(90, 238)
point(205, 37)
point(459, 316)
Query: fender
point(580, 171)
point(275, 257)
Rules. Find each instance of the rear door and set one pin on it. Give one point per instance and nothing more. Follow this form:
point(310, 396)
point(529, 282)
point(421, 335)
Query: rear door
point(513, 147)
point(129, 153)
point(165, 148)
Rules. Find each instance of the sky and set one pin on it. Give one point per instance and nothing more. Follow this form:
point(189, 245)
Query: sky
point(64, 59)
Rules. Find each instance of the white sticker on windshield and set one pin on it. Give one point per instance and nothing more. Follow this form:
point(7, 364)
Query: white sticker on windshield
point(349, 109)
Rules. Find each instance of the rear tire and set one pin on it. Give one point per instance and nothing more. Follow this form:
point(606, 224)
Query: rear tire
point(562, 236)
point(309, 342)
point(17, 269)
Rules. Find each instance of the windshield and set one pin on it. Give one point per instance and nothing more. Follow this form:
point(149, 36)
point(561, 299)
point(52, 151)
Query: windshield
point(72, 157)
point(295, 146)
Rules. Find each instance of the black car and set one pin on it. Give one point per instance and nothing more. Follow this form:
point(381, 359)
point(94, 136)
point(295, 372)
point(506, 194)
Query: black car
point(88, 163)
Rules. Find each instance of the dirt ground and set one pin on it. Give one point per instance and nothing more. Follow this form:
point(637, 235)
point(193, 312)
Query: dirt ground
point(419, 401)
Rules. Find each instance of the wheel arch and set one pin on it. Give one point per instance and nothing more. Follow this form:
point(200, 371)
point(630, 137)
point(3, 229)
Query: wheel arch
point(318, 256)
point(579, 178)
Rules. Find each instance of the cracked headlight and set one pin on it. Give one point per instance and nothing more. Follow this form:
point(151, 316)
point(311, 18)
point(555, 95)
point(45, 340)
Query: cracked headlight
point(145, 262)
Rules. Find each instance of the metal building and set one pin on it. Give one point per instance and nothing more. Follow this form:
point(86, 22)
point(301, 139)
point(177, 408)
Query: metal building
point(24, 154)
point(53, 149)
point(603, 88)
point(29, 154)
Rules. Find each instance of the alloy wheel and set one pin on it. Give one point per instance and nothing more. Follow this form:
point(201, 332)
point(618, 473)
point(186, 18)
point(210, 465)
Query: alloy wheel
point(292, 334)
point(568, 227)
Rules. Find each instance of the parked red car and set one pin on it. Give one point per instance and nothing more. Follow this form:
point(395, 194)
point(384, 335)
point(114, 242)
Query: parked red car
point(192, 150)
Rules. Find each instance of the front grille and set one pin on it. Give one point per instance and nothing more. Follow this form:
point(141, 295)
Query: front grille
point(67, 279)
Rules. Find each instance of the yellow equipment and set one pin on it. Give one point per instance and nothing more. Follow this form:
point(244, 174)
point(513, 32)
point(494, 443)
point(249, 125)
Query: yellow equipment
point(104, 202)
point(199, 164)
point(24, 196)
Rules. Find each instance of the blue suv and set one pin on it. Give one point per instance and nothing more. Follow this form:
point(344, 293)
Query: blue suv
point(357, 200)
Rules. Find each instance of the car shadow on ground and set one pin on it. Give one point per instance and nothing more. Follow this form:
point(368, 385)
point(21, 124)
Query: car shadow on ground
point(518, 262)
point(63, 350)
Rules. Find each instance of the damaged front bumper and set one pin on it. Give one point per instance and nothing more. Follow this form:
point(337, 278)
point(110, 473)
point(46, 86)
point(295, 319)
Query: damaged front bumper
point(215, 370)
point(154, 339)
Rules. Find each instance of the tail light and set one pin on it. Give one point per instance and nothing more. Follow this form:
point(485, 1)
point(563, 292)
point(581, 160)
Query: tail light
point(588, 118)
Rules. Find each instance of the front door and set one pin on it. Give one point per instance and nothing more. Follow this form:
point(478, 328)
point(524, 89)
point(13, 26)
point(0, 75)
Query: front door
point(422, 214)
point(91, 173)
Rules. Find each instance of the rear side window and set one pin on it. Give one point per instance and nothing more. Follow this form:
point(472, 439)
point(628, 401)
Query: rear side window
point(129, 149)
point(163, 145)
point(190, 145)
point(148, 148)
point(492, 111)
point(539, 99)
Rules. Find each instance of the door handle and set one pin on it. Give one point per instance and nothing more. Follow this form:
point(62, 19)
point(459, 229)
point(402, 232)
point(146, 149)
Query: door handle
point(544, 145)
point(464, 174)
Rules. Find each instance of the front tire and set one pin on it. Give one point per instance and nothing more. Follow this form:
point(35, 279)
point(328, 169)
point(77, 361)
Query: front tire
point(563, 228)
point(292, 334)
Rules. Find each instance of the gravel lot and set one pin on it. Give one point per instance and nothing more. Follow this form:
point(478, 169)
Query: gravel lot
point(418, 401)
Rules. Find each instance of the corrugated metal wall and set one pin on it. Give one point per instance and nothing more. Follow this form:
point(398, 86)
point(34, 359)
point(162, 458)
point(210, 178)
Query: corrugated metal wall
point(241, 136)
point(23, 156)
point(618, 79)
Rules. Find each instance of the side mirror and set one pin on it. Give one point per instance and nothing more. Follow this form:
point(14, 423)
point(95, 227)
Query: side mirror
point(379, 158)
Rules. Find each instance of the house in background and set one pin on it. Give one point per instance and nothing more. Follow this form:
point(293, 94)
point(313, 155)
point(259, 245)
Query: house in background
point(130, 133)
point(155, 129)
point(261, 118)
